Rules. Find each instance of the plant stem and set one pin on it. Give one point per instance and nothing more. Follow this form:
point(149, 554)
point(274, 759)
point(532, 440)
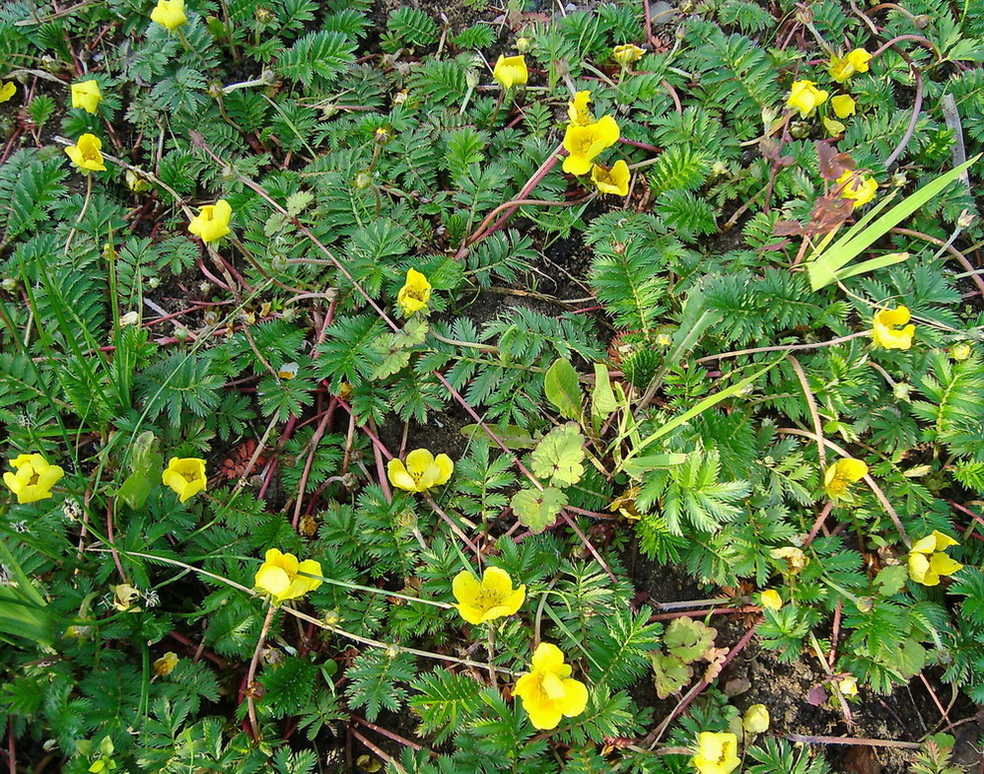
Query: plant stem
point(250, 706)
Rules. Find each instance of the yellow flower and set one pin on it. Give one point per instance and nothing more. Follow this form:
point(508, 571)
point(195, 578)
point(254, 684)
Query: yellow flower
point(169, 13)
point(280, 576)
point(125, 598)
point(164, 665)
point(843, 105)
point(212, 222)
point(848, 685)
point(422, 471)
point(7, 90)
point(585, 142)
point(548, 691)
point(510, 71)
point(886, 331)
point(716, 753)
point(86, 95)
point(841, 68)
point(793, 557)
point(414, 294)
point(578, 111)
point(33, 479)
point(805, 97)
point(928, 561)
point(493, 598)
point(841, 475)
point(756, 719)
point(627, 53)
point(185, 476)
point(858, 187)
point(612, 181)
point(770, 599)
point(85, 153)
point(833, 126)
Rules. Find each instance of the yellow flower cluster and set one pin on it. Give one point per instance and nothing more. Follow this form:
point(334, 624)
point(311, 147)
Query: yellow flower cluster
point(547, 691)
point(585, 139)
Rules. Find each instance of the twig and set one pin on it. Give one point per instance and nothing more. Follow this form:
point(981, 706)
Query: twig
point(812, 403)
point(852, 740)
point(251, 674)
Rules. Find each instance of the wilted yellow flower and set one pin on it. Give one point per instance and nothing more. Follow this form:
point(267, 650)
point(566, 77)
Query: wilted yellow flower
point(510, 71)
point(185, 476)
point(212, 221)
point(135, 182)
point(421, 472)
point(841, 68)
point(493, 597)
point(805, 97)
point(125, 598)
point(848, 685)
point(578, 111)
point(169, 13)
point(961, 351)
point(843, 105)
point(612, 181)
point(414, 294)
point(280, 576)
point(794, 558)
point(548, 691)
point(85, 154)
point(860, 188)
point(841, 475)
point(886, 330)
point(716, 753)
point(928, 561)
point(86, 95)
point(770, 599)
point(7, 90)
point(756, 719)
point(585, 142)
point(833, 126)
point(164, 665)
point(627, 53)
point(33, 479)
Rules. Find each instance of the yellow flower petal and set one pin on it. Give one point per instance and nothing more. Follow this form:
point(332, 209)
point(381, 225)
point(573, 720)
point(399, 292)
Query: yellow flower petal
point(843, 105)
point(919, 570)
point(942, 564)
point(7, 90)
point(842, 474)
point(272, 579)
point(717, 753)
point(577, 109)
point(398, 476)
point(770, 599)
point(885, 329)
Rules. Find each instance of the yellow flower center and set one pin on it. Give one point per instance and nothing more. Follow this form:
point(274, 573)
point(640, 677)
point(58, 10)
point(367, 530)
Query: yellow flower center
point(582, 145)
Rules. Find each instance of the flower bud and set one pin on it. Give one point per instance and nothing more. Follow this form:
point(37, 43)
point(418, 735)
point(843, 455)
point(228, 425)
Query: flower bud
point(523, 45)
point(756, 719)
point(960, 351)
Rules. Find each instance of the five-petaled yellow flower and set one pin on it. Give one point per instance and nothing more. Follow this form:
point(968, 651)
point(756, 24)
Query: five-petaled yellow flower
point(493, 597)
point(890, 329)
point(805, 97)
point(212, 221)
point(627, 53)
point(7, 90)
point(169, 13)
point(421, 472)
point(841, 68)
point(510, 71)
point(548, 691)
point(281, 577)
point(584, 143)
point(86, 155)
point(841, 475)
point(612, 181)
point(185, 476)
point(86, 95)
point(770, 599)
point(578, 111)
point(414, 294)
point(33, 479)
point(928, 561)
point(716, 753)
point(857, 187)
point(843, 105)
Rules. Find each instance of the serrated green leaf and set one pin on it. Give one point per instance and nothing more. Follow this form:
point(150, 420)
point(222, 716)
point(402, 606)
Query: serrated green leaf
point(559, 455)
point(538, 509)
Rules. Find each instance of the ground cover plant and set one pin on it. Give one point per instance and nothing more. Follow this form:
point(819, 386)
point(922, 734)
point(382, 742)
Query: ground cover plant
point(491, 389)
